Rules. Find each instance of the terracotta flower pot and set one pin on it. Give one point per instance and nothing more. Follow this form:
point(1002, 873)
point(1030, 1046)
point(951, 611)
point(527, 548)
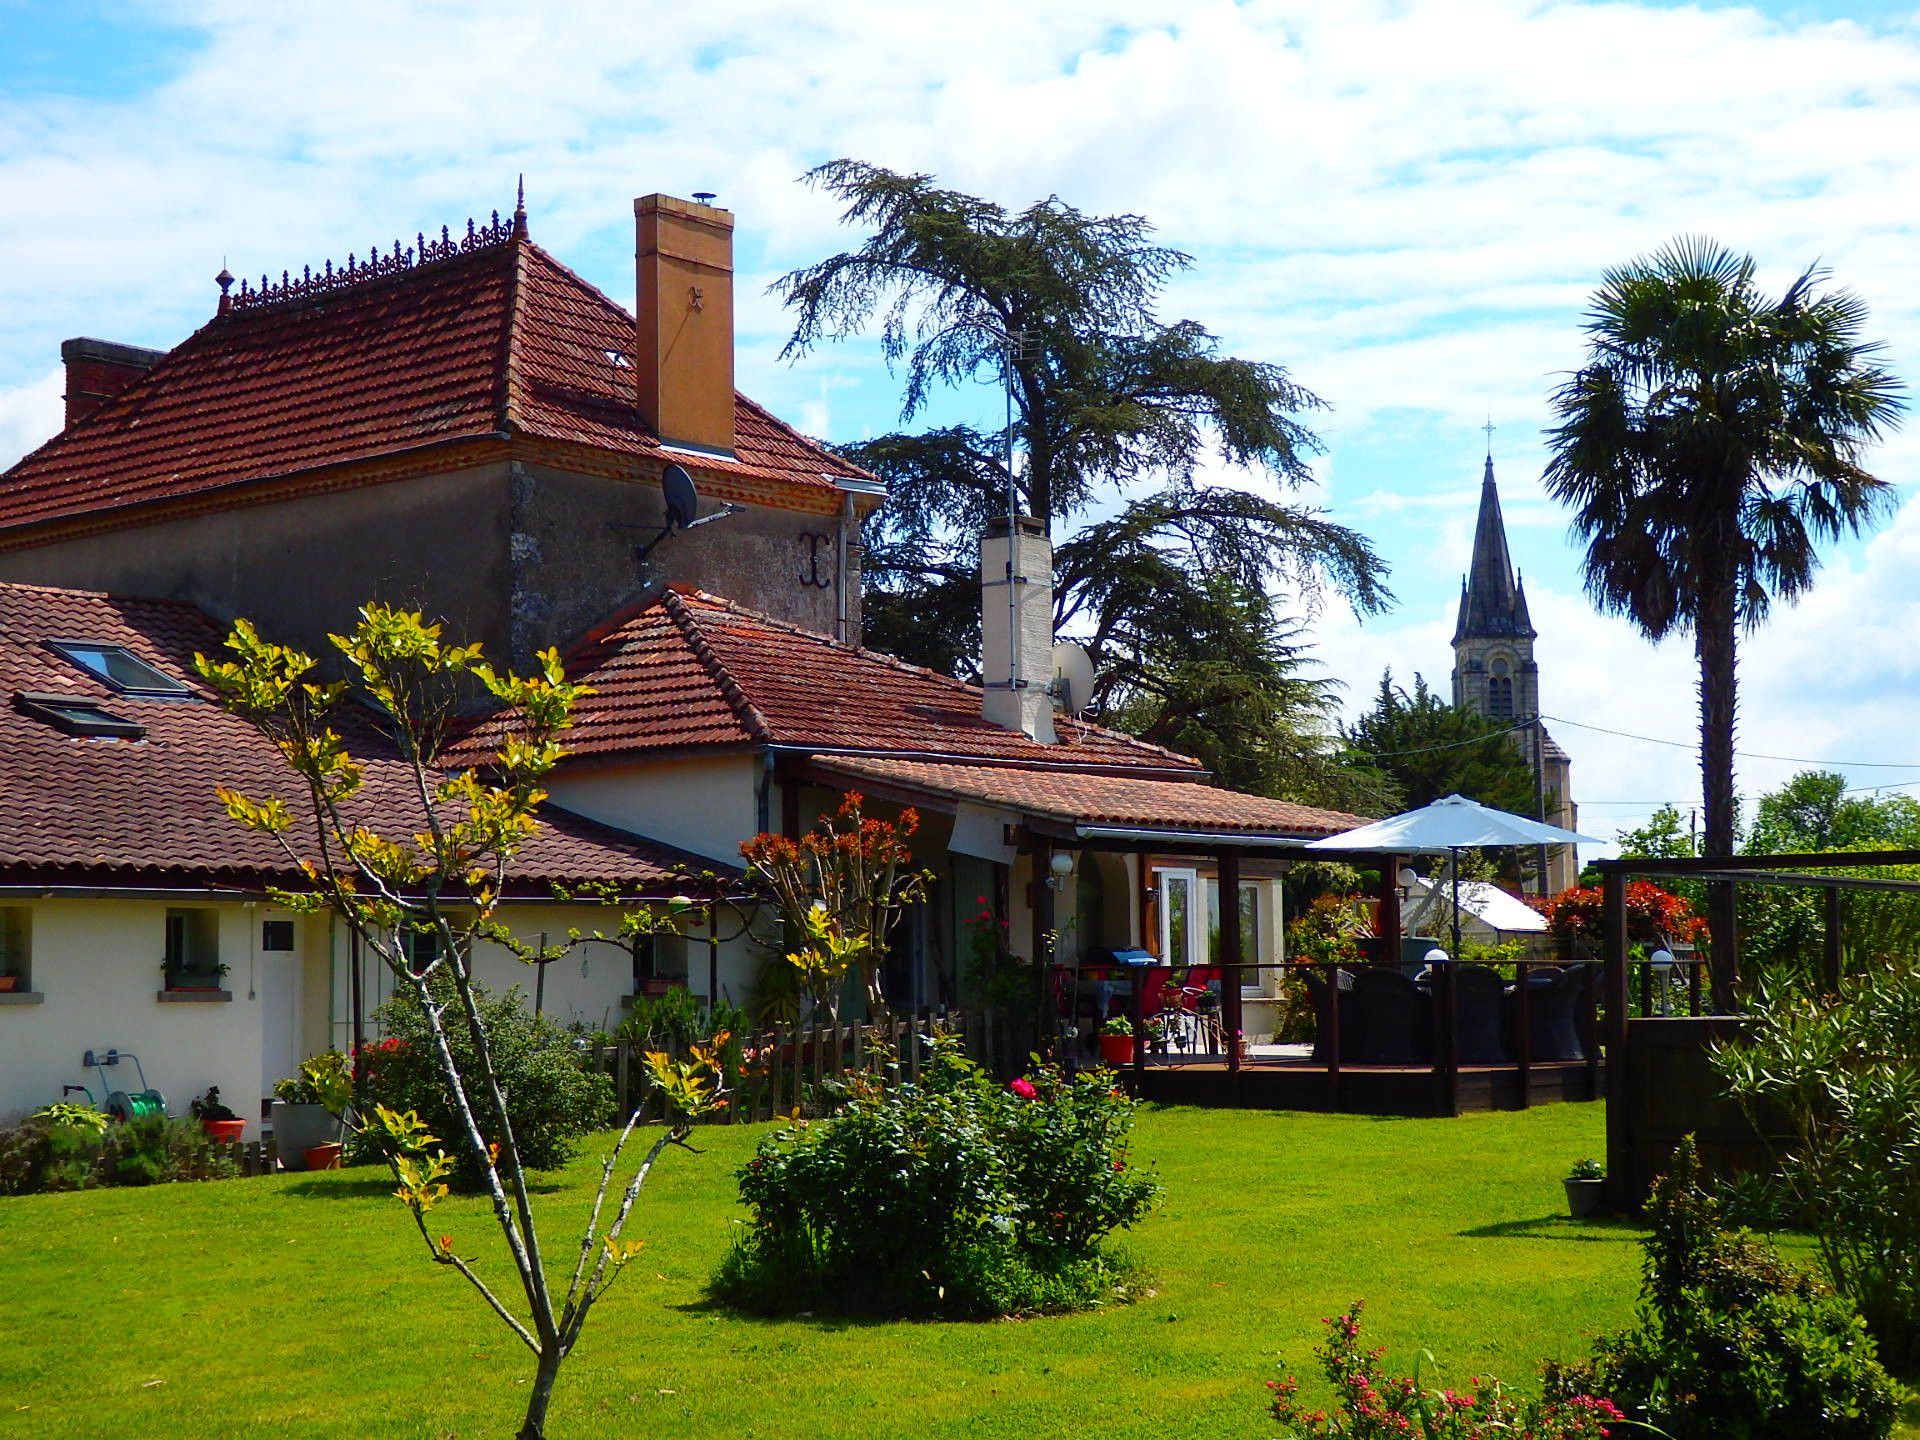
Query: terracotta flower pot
point(7, 982)
point(1116, 1050)
point(224, 1132)
point(322, 1157)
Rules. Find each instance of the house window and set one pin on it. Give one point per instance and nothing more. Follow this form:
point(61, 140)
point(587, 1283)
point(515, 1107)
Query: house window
point(1179, 926)
point(76, 715)
point(16, 929)
point(1249, 927)
point(1500, 691)
point(119, 667)
point(192, 959)
point(420, 947)
point(276, 934)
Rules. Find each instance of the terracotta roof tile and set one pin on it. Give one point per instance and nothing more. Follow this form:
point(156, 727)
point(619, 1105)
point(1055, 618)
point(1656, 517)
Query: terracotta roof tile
point(690, 669)
point(87, 810)
point(1111, 798)
point(501, 339)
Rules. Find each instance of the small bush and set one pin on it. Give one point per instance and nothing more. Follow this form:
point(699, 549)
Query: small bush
point(1371, 1405)
point(157, 1149)
point(1734, 1343)
point(1841, 1077)
point(42, 1154)
point(552, 1098)
point(952, 1195)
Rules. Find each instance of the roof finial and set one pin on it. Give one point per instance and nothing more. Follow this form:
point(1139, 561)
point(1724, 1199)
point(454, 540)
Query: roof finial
point(225, 281)
point(1488, 427)
point(520, 210)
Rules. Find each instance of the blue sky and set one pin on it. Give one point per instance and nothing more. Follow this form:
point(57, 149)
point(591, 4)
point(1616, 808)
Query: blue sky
point(1404, 203)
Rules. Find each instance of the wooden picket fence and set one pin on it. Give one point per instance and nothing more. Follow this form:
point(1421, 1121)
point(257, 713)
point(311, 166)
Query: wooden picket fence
point(784, 1070)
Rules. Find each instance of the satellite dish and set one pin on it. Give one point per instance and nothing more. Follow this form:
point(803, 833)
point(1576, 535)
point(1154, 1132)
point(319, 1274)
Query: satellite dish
point(683, 501)
point(1072, 677)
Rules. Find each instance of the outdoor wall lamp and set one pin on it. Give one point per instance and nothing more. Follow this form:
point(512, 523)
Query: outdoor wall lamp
point(1062, 866)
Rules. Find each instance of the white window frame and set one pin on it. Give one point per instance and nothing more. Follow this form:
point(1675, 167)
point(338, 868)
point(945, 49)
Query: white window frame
point(1196, 918)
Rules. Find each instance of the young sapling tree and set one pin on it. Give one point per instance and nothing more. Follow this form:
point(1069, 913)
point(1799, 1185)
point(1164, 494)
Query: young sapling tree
point(438, 877)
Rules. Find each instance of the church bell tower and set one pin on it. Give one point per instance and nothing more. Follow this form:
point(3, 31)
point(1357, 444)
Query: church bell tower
point(1494, 671)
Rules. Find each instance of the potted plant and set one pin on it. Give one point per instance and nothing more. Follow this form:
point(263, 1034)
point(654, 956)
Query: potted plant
point(8, 981)
point(310, 1107)
point(1153, 1034)
point(205, 977)
point(1116, 1041)
point(1586, 1189)
point(222, 1125)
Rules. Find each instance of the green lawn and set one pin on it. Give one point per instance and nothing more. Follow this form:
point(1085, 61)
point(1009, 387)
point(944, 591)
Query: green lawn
point(298, 1306)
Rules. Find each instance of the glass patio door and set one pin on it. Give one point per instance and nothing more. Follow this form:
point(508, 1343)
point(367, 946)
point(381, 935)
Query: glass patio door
point(1181, 925)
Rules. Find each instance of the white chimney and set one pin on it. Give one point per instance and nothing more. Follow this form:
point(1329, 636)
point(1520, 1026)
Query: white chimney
point(1016, 595)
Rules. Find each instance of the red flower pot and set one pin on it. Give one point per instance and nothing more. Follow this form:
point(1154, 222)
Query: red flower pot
point(1116, 1050)
point(224, 1132)
point(322, 1157)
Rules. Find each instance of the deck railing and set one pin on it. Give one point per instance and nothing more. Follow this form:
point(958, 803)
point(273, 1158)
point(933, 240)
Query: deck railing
point(779, 1072)
point(1533, 1017)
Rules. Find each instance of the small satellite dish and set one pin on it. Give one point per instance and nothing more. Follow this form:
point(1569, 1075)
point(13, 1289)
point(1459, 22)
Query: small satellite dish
point(683, 501)
point(1072, 677)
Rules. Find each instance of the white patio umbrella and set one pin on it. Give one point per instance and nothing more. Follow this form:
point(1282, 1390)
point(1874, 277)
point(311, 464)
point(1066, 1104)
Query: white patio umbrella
point(1446, 827)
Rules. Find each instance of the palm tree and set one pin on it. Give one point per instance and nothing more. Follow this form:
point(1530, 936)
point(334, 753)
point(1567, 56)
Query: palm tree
point(1711, 441)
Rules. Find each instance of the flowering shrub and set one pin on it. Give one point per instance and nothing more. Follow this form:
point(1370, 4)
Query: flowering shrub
point(1734, 1343)
point(1652, 913)
point(949, 1195)
point(838, 891)
point(1370, 1405)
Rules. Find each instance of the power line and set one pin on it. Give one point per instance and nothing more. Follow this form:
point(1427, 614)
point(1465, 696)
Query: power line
point(1742, 754)
point(1452, 744)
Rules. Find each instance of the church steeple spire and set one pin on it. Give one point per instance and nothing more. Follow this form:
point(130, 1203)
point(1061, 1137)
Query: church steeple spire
point(1491, 600)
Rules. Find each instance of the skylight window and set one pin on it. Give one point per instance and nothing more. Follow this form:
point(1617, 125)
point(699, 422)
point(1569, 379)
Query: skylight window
point(77, 715)
point(118, 667)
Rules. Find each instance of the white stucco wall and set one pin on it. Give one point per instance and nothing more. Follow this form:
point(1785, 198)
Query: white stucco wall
point(96, 963)
point(707, 806)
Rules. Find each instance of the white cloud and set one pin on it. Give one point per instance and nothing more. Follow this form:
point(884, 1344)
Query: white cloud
point(1405, 201)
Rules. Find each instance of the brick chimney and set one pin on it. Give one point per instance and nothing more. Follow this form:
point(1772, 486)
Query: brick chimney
point(98, 370)
point(1016, 612)
point(684, 353)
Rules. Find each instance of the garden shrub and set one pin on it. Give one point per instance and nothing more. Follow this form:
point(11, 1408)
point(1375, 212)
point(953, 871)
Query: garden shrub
point(1734, 1343)
point(157, 1149)
point(950, 1195)
point(1370, 1405)
point(45, 1153)
point(1838, 1081)
point(552, 1098)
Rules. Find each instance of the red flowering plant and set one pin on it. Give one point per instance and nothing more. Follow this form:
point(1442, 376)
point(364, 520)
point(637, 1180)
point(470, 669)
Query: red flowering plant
point(837, 891)
point(1653, 915)
point(1371, 1405)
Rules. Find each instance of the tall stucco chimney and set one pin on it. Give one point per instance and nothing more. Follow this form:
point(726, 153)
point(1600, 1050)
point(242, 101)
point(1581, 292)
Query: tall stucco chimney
point(1016, 612)
point(683, 357)
point(98, 370)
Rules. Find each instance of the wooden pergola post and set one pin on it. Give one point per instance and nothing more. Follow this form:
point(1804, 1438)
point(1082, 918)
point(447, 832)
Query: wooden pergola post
point(1389, 926)
point(1231, 958)
point(1834, 951)
point(1613, 982)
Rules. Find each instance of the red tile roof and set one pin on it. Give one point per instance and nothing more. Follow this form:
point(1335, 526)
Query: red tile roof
point(481, 344)
point(142, 812)
point(691, 669)
point(1112, 799)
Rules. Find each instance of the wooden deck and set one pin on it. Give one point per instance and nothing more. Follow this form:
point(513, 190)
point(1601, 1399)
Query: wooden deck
point(1413, 1090)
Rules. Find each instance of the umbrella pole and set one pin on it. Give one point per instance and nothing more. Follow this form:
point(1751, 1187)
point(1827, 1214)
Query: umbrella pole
point(1453, 859)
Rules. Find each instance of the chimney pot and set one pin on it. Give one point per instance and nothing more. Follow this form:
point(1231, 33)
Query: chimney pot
point(683, 360)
